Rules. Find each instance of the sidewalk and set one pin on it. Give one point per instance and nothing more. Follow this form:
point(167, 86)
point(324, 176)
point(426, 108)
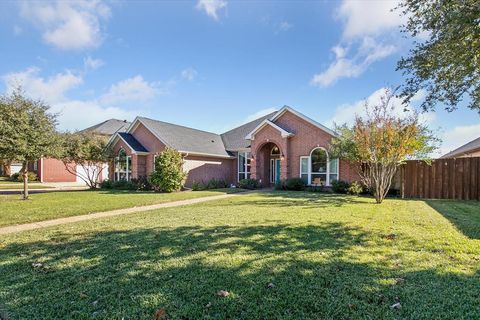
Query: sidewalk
point(55, 222)
point(49, 187)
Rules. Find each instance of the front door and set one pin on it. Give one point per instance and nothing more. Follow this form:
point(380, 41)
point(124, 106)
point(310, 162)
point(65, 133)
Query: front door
point(274, 170)
point(277, 170)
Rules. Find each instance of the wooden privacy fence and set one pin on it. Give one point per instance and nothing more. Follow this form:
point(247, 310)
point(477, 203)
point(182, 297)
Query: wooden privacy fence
point(457, 178)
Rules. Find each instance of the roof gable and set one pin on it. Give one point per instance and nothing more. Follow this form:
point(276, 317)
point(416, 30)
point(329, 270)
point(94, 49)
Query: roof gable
point(303, 117)
point(466, 148)
point(108, 127)
point(130, 141)
point(284, 133)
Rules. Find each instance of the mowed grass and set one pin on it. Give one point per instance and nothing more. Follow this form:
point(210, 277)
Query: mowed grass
point(279, 255)
point(52, 205)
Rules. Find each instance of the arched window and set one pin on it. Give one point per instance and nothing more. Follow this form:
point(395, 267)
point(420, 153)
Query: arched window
point(318, 168)
point(123, 166)
point(275, 151)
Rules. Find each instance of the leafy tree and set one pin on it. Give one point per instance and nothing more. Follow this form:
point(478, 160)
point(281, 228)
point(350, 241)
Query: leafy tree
point(380, 142)
point(87, 150)
point(27, 131)
point(447, 64)
point(168, 175)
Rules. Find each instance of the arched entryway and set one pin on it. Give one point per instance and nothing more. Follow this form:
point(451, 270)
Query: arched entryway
point(269, 161)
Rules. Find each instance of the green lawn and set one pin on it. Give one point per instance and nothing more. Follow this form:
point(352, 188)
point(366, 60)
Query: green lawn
point(326, 257)
point(53, 205)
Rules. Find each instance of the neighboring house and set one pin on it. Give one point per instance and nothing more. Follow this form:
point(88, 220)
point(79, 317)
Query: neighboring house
point(278, 146)
point(53, 170)
point(471, 149)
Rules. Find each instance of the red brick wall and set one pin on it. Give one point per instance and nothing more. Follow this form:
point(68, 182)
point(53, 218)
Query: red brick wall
point(54, 171)
point(151, 143)
point(207, 168)
point(307, 137)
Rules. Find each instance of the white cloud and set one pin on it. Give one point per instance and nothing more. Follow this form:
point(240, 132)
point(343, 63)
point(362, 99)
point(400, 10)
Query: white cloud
point(68, 25)
point(366, 27)
point(92, 64)
point(283, 26)
point(211, 7)
point(77, 114)
point(343, 67)
point(189, 74)
point(458, 136)
point(132, 89)
point(368, 17)
point(346, 113)
point(51, 90)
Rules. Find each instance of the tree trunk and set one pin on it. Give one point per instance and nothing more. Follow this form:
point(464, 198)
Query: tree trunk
point(25, 179)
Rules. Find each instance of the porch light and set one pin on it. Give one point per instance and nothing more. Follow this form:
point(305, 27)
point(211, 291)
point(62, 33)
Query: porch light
point(282, 157)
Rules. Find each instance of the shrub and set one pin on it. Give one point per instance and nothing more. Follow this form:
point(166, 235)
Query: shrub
point(249, 184)
point(355, 188)
point(280, 185)
point(340, 186)
point(17, 177)
point(198, 186)
point(216, 184)
point(295, 184)
point(168, 175)
point(142, 184)
point(106, 184)
point(319, 188)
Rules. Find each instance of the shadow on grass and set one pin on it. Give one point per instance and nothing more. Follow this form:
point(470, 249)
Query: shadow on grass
point(115, 275)
point(465, 215)
point(304, 199)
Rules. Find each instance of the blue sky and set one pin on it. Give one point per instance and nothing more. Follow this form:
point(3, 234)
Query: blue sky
point(208, 64)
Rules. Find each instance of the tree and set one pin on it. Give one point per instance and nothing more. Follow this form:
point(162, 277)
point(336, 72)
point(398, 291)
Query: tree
point(168, 175)
point(27, 131)
point(87, 150)
point(381, 141)
point(447, 64)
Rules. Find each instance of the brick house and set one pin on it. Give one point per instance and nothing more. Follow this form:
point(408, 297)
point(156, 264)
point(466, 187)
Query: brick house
point(53, 170)
point(470, 149)
point(275, 147)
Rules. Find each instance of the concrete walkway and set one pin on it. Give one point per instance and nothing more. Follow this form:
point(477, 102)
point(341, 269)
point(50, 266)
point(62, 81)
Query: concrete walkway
point(49, 187)
point(55, 222)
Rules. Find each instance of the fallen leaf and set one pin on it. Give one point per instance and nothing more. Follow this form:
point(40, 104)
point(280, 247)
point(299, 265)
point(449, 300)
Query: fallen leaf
point(270, 286)
point(396, 306)
point(160, 314)
point(223, 293)
point(208, 305)
point(399, 281)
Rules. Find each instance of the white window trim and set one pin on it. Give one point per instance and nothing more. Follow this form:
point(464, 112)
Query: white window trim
point(115, 166)
point(328, 173)
point(245, 166)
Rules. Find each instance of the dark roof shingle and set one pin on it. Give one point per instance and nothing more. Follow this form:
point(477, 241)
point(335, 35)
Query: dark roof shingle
point(132, 142)
point(108, 127)
point(187, 139)
point(235, 138)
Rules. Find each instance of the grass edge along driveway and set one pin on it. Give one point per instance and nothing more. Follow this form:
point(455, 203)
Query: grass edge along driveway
point(53, 205)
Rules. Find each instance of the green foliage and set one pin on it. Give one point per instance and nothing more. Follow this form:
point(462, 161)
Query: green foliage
point(280, 185)
point(340, 186)
point(212, 184)
point(380, 141)
point(140, 184)
point(295, 184)
point(88, 150)
point(27, 131)
point(249, 184)
point(319, 188)
point(168, 175)
point(445, 65)
point(17, 177)
point(355, 188)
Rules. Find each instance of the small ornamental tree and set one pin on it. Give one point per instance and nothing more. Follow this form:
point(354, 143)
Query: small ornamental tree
point(380, 142)
point(27, 131)
point(87, 150)
point(168, 175)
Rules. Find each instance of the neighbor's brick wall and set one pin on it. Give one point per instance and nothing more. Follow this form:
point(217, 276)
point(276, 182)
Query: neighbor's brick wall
point(54, 171)
point(206, 168)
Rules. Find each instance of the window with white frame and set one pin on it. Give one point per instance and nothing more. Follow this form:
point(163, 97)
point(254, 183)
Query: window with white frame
point(123, 166)
point(244, 165)
point(318, 168)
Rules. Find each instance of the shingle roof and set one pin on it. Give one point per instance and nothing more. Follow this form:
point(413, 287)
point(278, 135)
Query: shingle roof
point(186, 139)
point(235, 138)
point(132, 142)
point(471, 146)
point(108, 127)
